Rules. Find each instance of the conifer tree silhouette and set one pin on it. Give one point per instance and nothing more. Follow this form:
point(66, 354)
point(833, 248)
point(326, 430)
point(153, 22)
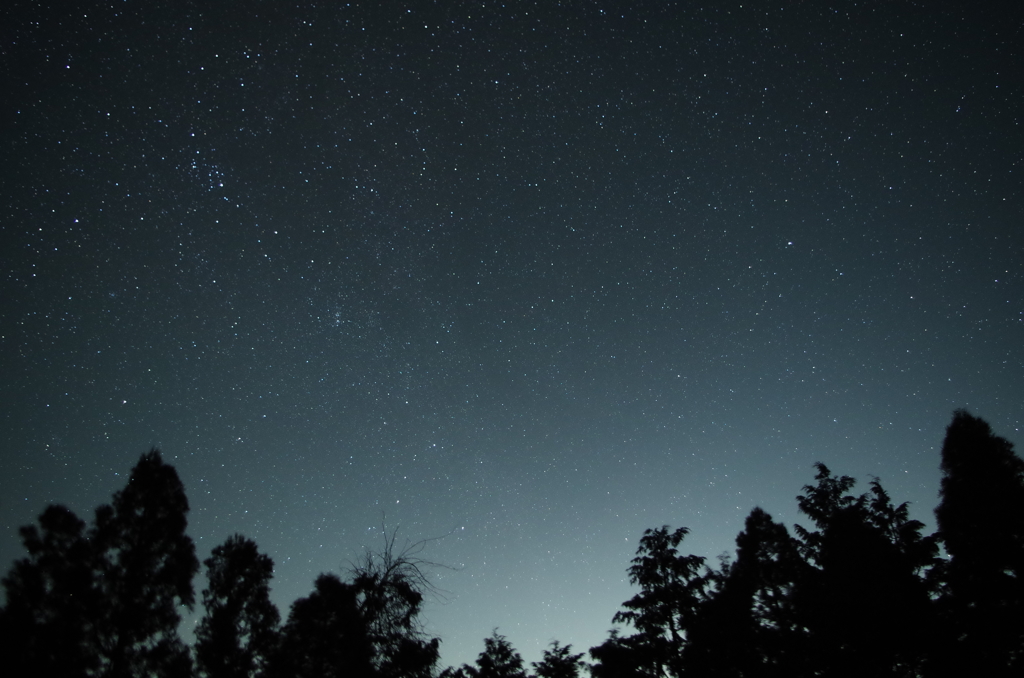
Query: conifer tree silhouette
point(981, 524)
point(863, 602)
point(239, 628)
point(748, 625)
point(326, 635)
point(105, 602)
point(46, 627)
point(558, 662)
point(671, 589)
point(145, 563)
point(498, 660)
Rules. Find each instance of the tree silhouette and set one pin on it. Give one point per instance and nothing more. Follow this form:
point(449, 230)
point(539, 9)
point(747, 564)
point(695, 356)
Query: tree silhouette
point(46, 627)
point(326, 635)
point(981, 523)
point(850, 596)
point(671, 589)
point(624, 657)
point(239, 628)
point(861, 591)
point(558, 662)
point(369, 627)
point(145, 564)
point(748, 625)
point(498, 660)
point(867, 609)
point(105, 602)
point(919, 553)
point(390, 586)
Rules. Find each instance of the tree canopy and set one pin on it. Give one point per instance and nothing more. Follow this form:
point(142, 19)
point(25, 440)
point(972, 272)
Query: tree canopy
point(558, 661)
point(859, 590)
point(105, 601)
point(239, 628)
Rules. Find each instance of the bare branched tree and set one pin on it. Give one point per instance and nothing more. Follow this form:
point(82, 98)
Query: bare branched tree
point(391, 585)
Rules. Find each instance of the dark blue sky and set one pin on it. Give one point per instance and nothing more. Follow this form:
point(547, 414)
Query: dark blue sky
point(535, 276)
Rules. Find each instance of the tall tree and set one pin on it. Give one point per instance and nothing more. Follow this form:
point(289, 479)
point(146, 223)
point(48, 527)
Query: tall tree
point(671, 590)
point(146, 563)
point(864, 602)
point(105, 602)
point(46, 627)
point(747, 625)
point(558, 661)
point(326, 635)
point(981, 523)
point(390, 585)
point(366, 627)
point(498, 660)
point(239, 627)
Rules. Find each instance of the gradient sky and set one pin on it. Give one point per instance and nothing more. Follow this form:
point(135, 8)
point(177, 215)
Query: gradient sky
point(532, 275)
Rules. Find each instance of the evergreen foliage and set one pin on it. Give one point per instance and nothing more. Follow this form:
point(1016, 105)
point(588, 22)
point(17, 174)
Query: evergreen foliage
point(748, 624)
point(860, 591)
point(47, 626)
point(498, 660)
point(623, 657)
point(145, 565)
point(671, 591)
point(390, 587)
point(326, 635)
point(239, 628)
point(558, 661)
point(981, 524)
point(104, 602)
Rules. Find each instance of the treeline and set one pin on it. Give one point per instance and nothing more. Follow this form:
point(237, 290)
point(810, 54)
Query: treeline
point(104, 601)
point(859, 591)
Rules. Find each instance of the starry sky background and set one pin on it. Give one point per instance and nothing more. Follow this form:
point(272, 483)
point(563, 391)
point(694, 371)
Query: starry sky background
point(532, 275)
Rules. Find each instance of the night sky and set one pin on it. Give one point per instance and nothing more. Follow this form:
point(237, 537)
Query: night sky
point(532, 275)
